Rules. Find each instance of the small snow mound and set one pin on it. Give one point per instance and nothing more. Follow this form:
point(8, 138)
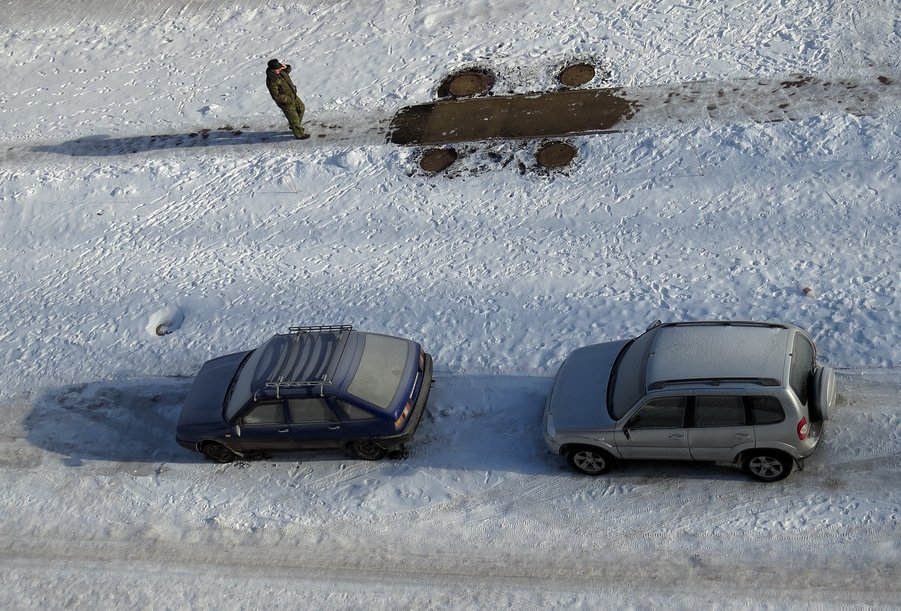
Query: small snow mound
point(165, 320)
point(347, 160)
point(211, 110)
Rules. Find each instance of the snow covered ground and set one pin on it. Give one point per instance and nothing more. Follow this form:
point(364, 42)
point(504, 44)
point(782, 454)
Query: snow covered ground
point(114, 218)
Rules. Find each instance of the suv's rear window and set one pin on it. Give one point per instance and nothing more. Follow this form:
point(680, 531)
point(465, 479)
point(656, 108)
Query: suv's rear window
point(381, 369)
point(802, 364)
point(766, 410)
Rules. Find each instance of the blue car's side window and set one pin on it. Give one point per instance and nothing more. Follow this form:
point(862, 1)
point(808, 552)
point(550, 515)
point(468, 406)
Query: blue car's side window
point(268, 412)
point(307, 411)
point(352, 412)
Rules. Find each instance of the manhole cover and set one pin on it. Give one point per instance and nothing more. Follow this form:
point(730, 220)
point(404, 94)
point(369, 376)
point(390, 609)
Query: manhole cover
point(436, 160)
point(556, 155)
point(577, 75)
point(469, 83)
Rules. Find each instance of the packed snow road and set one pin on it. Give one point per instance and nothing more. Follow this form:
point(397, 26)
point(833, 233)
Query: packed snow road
point(444, 526)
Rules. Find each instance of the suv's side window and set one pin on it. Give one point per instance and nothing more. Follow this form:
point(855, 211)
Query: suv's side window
point(720, 411)
point(662, 413)
point(266, 412)
point(766, 410)
point(316, 409)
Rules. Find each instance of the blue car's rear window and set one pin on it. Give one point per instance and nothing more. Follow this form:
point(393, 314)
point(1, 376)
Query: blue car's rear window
point(381, 369)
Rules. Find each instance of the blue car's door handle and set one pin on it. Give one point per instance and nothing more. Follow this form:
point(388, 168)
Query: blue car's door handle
point(283, 430)
point(334, 427)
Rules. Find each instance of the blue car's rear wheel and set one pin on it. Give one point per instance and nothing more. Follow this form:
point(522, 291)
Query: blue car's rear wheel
point(590, 461)
point(368, 450)
point(217, 452)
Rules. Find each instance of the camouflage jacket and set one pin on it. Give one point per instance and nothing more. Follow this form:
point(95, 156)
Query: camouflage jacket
point(280, 86)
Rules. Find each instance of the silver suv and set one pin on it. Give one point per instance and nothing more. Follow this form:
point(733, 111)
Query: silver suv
point(747, 393)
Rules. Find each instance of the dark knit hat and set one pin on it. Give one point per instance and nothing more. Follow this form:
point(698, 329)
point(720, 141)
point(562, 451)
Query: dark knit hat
point(273, 64)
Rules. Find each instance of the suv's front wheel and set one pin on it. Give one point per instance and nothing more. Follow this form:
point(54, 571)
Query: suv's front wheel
point(768, 465)
point(588, 460)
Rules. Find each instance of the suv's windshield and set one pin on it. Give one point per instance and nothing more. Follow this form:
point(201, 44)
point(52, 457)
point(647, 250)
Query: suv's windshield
point(381, 369)
point(626, 384)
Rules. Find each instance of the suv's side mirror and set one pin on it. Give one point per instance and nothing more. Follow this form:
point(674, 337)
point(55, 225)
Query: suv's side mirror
point(238, 430)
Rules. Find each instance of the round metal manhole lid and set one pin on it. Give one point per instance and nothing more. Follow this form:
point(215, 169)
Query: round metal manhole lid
point(437, 160)
point(556, 155)
point(468, 84)
point(577, 75)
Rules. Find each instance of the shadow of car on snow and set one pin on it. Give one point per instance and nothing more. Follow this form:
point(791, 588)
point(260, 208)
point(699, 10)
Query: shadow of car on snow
point(472, 423)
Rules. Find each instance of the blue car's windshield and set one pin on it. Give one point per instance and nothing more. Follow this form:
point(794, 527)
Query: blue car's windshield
point(239, 391)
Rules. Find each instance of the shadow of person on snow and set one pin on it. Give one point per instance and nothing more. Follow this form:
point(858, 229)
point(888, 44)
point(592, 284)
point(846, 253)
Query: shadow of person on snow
point(105, 146)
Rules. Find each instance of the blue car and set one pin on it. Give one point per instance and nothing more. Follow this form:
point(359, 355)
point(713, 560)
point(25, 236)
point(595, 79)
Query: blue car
point(311, 388)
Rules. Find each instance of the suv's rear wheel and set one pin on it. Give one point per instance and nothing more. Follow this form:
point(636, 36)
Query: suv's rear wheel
point(768, 466)
point(588, 460)
point(368, 450)
point(217, 452)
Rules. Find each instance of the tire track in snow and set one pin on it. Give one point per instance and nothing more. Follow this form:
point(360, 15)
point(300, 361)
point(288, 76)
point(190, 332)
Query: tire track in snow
point(327, 562)
point(62, 13)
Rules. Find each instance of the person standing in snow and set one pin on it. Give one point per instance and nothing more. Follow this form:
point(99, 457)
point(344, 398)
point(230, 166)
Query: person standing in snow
point(283, 91)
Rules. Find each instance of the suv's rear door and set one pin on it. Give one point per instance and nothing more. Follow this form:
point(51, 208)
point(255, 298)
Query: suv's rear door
point(719, 427)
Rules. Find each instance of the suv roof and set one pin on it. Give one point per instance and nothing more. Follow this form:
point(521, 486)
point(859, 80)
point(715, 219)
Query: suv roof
point(754, 352)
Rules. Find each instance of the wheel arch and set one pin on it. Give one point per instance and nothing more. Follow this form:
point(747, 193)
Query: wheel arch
point(596, 444)
point(742, 457)
point(200, 444)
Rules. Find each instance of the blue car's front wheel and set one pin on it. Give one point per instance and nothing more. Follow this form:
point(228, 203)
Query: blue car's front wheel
point(217, 452)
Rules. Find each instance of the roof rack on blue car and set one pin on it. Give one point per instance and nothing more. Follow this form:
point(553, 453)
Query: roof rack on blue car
point(279, 384)
point(307, 359)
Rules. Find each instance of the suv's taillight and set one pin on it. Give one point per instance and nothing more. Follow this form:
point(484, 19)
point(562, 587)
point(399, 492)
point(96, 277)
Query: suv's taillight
point(803, 429)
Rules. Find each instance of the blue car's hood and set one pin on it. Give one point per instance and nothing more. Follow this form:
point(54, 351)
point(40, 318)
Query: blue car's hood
point(204, 402)
point(578, 400)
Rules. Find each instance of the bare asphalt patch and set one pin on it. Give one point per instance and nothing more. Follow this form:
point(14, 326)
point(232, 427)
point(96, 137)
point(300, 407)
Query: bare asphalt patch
point(588, 111)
